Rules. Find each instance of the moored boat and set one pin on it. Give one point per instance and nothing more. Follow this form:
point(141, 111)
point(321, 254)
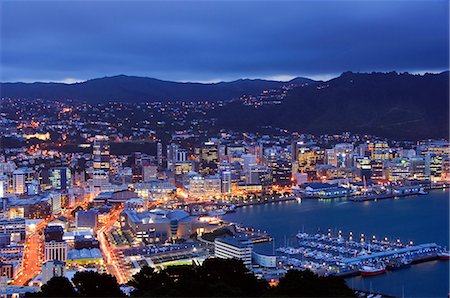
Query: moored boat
point(370, 270)
point(397, 264)
point(443, 255)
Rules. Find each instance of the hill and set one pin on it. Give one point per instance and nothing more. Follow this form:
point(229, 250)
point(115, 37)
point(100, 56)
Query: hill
point(139, 89)
point(397, 105)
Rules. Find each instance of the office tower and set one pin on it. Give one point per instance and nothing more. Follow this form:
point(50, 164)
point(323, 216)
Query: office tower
point(159, 154)
point(172, 151)
point(226, 182)
point(281, 169)
point(248, 160)
point(149, 171)
point(379, 150)
point(209, 158)
point(101, 153)
point(20, 178)
point(344, 155)
point(60, 178)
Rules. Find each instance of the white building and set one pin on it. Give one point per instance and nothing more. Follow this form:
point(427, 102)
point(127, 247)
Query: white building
point(55, 250)
point(20, 178)
point(234, 248)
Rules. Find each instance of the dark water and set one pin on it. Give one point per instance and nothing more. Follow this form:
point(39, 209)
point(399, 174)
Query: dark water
point(421, 219)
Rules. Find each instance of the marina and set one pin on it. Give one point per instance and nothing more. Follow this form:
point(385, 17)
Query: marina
point(330, 254)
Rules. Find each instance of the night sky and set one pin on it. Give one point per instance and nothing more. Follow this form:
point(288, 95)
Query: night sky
point(213, 41)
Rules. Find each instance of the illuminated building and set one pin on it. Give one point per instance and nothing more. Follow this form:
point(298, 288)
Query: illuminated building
point(340, 156)
point(149, 172)
point(159, 154)
point(13, 229)
point(259, 175)
point(377, 169)
point(183, 167)
point(55, 250)
point(85, 256)
point(434, 165)
point(101, 153)
point(209, 158)
point(226, 182)
point(379, 150)
point(418, 168)
point(248, 161)
point(200, 186)
point(60, 178)
point(397, 170)
point(40, 136)
point(20, 178)
point(159, 225)
point(234, 248)
point(363, 167)
point(307, 159)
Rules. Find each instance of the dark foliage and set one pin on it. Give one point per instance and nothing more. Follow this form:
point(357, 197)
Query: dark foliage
point(55, 287)
point(392, 105)
point(297, 283)
point(230, 278)
point(93, 284)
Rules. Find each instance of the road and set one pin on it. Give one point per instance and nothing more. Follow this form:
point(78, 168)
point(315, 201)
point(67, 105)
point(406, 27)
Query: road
point(34, 248)
point(112, 260)
point(32, 256)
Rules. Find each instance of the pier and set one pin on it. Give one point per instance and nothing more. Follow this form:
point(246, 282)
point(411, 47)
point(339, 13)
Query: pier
point(334, 255)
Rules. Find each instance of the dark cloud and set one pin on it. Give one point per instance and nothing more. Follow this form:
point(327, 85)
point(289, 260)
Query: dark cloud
point(200, 40)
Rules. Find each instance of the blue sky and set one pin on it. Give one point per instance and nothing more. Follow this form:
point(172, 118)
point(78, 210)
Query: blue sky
point(219, 40)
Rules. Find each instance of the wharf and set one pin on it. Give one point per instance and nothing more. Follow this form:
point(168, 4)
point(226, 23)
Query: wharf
point(382, 196)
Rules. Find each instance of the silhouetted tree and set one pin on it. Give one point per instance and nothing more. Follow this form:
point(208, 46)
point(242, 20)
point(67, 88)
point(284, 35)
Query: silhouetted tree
point(297, 283)
point(55, 287)
point(93, 284)
point(216, 277)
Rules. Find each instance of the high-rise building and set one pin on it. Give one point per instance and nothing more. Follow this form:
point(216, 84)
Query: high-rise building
point(21, 177)
point(159, 154)
point(101, 153)
point(248, 160)
point(60, 178)
point(209, 158)
point(226, 182)
point(379, 150)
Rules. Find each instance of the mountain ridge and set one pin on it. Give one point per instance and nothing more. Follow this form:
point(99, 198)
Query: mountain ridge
point(134, 89)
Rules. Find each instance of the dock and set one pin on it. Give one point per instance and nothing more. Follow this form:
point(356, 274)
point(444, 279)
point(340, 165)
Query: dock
point(335, 255)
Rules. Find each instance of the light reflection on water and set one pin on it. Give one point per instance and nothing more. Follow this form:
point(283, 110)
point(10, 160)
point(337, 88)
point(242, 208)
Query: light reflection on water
point(419, 219)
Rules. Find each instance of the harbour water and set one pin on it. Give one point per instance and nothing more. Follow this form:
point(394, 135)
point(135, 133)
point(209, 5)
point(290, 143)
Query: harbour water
point(421, 219)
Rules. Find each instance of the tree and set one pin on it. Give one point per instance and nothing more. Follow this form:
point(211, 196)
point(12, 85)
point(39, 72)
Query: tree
point(297, 283)
point(215, 277)
point(93, 284)
point(55, 287)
